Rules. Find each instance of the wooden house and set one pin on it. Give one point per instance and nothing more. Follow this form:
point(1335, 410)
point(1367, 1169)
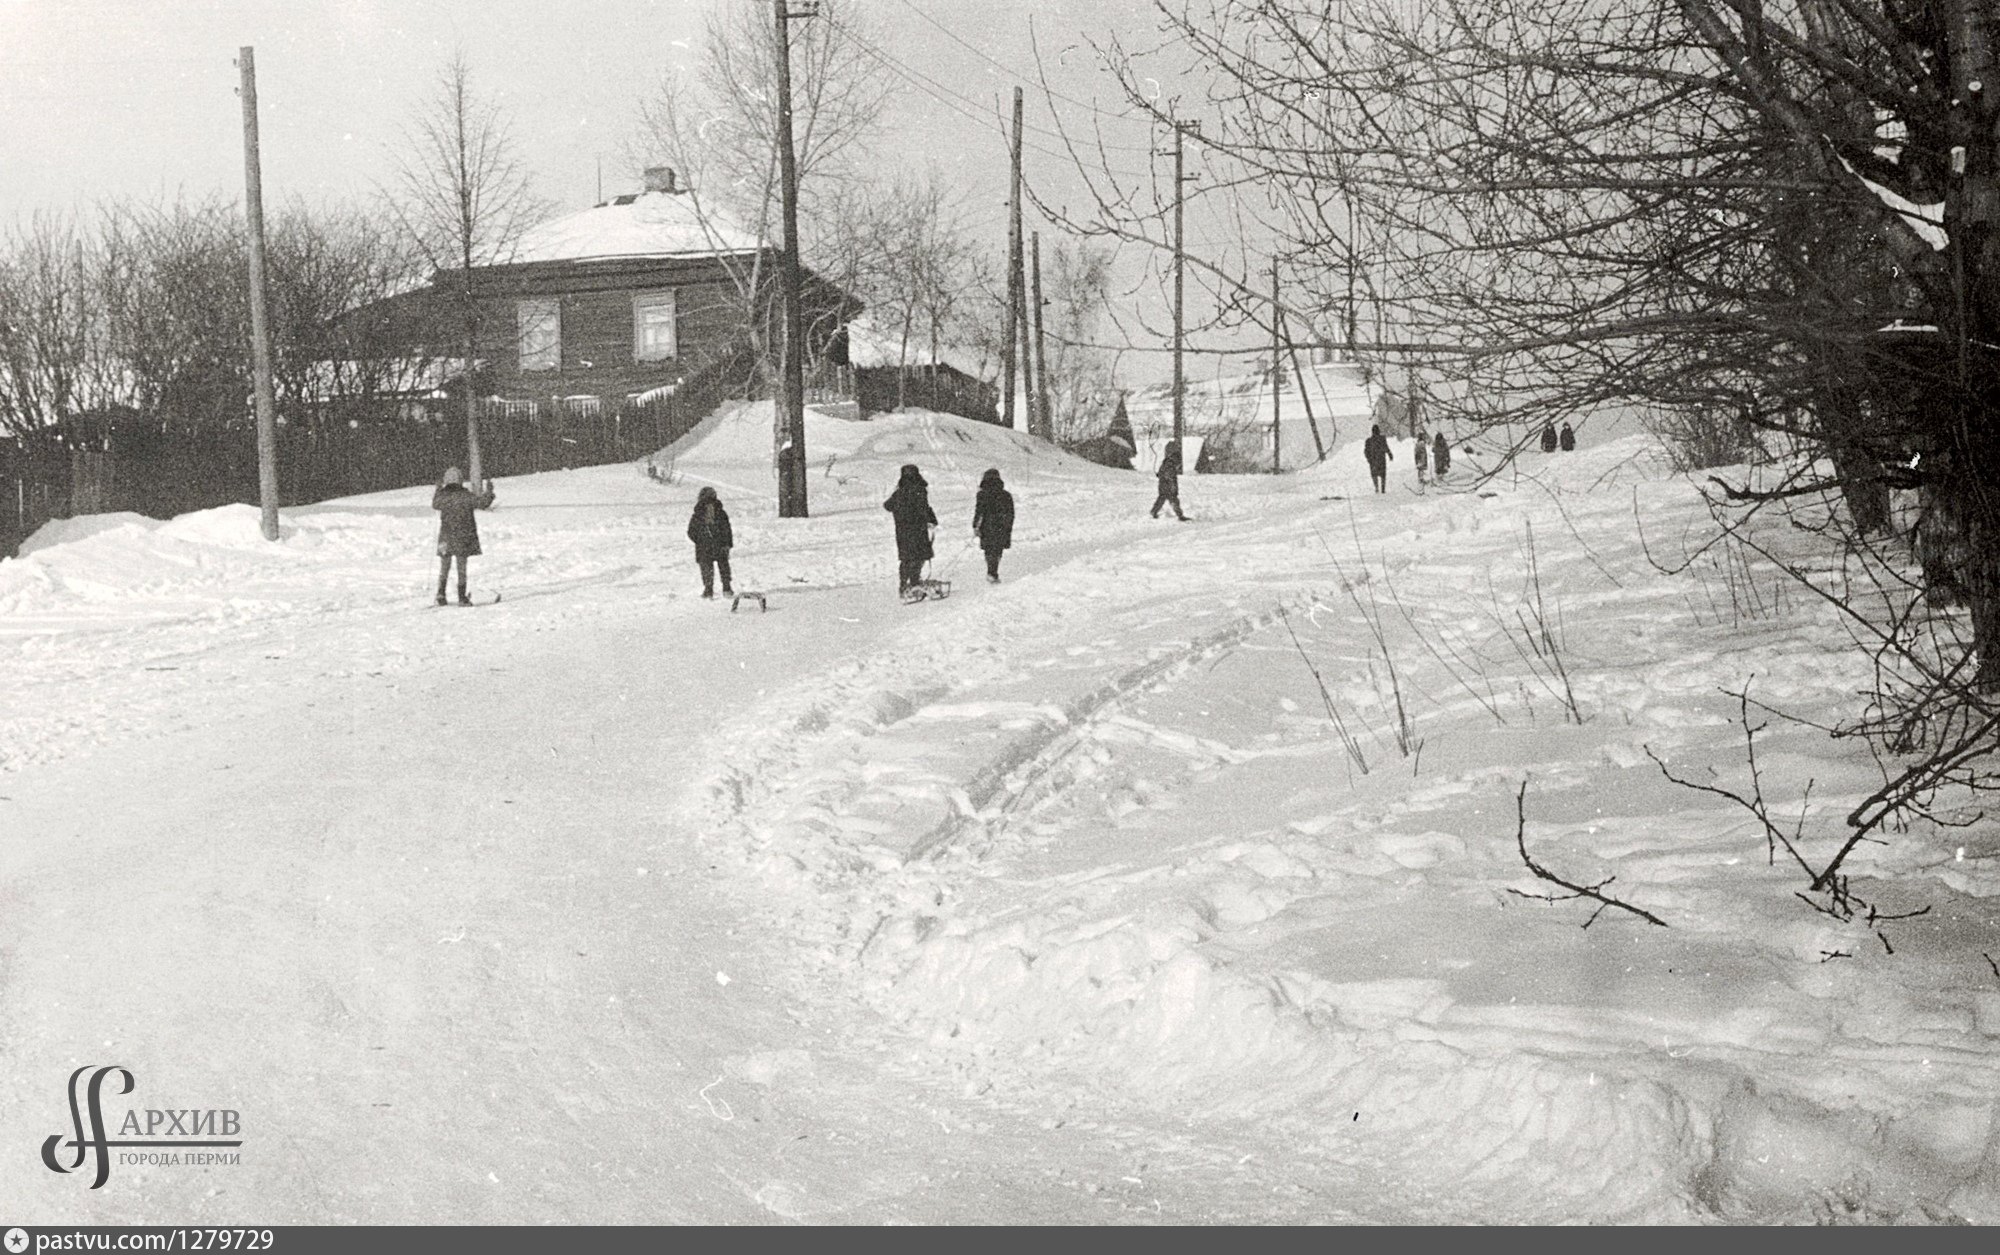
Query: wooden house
point(621, 303)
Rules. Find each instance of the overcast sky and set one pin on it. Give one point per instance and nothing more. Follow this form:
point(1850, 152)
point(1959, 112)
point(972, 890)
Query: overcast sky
point(136, 98)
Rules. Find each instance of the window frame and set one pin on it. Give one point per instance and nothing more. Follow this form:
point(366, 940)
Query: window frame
point(526, 307)
point(654, 299)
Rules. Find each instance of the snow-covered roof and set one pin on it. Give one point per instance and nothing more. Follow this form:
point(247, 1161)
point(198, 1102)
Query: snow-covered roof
point(651, 224)
point(871, 345)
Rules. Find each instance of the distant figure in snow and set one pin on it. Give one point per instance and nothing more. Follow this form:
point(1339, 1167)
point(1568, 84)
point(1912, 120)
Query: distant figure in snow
point(458, 531)
point(1169, 476)
point(1441, 455)
point(1422, 456)
point(993, 520)
point(1567, 439)
point(910, 503)
point(708, 528)
point(1548, 438)
point(1376, 450)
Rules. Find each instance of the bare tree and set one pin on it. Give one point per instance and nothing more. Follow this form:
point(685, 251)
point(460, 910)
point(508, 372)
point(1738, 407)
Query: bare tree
point(716, 125)
point(463, 200)
point(331, 272)
point(1780, 219)
point(54, 358)
point(172, 284)
point(1082, 390)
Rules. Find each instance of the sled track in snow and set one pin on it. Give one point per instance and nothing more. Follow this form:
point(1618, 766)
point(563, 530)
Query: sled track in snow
point(1027, 762)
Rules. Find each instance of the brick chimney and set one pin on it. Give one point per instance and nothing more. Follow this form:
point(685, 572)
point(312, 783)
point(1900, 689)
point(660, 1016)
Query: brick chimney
point(661, 179)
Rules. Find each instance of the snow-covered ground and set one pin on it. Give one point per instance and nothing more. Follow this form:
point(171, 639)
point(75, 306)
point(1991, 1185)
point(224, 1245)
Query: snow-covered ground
point(1072, 898)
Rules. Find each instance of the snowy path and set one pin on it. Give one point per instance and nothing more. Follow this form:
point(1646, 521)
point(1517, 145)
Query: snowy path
point(1066, 899)
point(430, 936)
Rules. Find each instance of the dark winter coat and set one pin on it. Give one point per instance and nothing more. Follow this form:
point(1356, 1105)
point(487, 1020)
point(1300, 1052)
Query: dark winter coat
point(1548, 440)
point(1170, 464)
point(708, 528)
point(1567, 439)
point(1376, 450)
point(911, 504)
point(1440, 454)
point(993, 516)
point(458, 531)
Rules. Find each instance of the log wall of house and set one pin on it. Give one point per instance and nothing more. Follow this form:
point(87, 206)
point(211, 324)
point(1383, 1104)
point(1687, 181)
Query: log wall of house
point(597, 328)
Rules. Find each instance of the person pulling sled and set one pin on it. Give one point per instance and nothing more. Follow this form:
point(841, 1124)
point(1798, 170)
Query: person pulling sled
point(458, 530)
point(910, 505)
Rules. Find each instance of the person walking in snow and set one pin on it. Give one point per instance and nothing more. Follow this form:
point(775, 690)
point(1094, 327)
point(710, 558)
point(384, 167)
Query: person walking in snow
point(1548, 438)
point(1169, 476)
point(1441, 456)
point(1376, 450)
point(910, 504)
point(1567, 439)
point(458, 530)
point(1421, 455)
point(708, 528)
point(993, 520)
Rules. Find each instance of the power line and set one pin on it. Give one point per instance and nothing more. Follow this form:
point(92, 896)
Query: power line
point(1010, 71)
point(961, 104)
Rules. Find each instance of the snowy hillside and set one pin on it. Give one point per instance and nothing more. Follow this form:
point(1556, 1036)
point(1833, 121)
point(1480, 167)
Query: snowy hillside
point(1173, 878)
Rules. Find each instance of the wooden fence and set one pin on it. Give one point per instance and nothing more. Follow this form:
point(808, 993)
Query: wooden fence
point(96, 465)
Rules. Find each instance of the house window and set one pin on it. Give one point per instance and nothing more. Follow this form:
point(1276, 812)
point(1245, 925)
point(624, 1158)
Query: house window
point(540, 324)
point(653, 326)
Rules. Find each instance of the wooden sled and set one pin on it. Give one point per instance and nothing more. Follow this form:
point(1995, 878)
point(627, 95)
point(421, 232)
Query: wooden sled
point(737, 599)
point(927, 590)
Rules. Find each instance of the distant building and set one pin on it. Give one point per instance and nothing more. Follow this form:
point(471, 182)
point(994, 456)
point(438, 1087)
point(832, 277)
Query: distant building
point(892, 371)
point(613, 303)
point(1230, 417)
point(1116, 447)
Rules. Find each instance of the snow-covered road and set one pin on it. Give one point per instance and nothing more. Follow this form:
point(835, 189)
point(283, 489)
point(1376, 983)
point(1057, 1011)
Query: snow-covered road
point(1170, 880)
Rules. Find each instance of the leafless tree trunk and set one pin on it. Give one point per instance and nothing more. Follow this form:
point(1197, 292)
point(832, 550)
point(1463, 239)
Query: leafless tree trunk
point(463, 200)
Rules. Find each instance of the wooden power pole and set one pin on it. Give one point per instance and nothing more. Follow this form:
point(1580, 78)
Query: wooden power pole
point(791, 409)
point(1277, 371)
point(1180, 305)
point(1043, 423)
point(260, 323)
point(1012, 330)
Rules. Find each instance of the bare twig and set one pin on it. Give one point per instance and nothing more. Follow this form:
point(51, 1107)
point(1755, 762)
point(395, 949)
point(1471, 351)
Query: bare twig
point(1592, 892)
point(1347, 740)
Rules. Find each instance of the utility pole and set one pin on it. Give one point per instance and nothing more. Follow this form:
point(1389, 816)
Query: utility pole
point(1305, 397)
point(1011, 336)
point(260, 324)
point(1181, 129)
point(1277, 371)
point(1043, 423)
point(791, 408)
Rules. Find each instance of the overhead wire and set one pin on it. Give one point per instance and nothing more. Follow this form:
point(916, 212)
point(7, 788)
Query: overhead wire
point(967, 107)
point(987, 57)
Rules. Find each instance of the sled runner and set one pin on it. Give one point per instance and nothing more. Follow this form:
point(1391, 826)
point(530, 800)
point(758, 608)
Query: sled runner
point(737, 599)
point(927, 590)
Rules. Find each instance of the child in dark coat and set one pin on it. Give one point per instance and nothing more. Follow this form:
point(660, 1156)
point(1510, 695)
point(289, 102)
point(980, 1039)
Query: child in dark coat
point(708, 528)
point(993, 520)
point(910, 503)
point(1376, 450)
point(1441, 455)
point(1169, 476)
point(458, 530)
